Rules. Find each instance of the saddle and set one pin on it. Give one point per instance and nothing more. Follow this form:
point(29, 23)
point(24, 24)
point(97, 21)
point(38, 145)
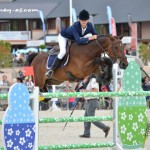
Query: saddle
point(53, 54)
point(55, 51)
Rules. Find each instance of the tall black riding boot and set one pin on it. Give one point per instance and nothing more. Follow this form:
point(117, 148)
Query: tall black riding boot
point(55, 64)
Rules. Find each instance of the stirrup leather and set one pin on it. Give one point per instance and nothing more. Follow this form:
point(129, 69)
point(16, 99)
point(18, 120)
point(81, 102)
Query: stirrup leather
point(49, 73)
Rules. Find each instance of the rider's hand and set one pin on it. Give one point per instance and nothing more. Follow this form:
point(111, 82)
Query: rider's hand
point(93, 37)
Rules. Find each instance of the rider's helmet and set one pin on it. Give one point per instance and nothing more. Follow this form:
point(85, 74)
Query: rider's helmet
point(84, 15)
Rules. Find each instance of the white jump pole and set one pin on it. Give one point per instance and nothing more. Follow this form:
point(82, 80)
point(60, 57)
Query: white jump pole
point(115, 109)
point(36, 114)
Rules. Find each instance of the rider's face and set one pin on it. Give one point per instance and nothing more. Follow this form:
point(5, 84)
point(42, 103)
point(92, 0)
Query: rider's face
point(83, 23)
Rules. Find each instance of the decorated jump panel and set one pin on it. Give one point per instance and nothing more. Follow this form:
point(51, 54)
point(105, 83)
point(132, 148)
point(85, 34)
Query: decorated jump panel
point(132, 119)
point(18, 121)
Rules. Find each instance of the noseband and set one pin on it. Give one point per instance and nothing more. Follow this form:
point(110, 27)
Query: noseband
point(115, 58)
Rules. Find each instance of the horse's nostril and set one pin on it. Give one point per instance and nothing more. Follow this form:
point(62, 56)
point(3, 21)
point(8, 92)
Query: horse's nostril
point(123, 65)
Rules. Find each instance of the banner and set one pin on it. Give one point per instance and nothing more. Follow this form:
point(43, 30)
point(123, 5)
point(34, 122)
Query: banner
point(113, 27)
point(129, 20)
point(134, 36)
point(74, 15)
point(109, 18)
point(112, 24)
point(42, 19)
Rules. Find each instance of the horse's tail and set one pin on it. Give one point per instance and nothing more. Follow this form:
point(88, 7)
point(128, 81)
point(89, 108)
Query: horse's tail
point(31, 57)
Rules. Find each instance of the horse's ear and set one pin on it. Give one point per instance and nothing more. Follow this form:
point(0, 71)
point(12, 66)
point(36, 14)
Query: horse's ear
point(115, 37)
point(121, 36)
point(111, 37)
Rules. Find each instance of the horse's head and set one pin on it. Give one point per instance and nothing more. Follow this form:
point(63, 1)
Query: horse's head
point(114, 49)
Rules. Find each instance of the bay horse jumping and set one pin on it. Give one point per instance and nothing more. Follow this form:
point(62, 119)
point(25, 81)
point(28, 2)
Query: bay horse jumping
point(84, 60)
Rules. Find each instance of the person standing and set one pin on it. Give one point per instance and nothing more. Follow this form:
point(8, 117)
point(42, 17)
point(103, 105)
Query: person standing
point(146, 87)
point(91, 105)
point(4, 88)
point(4, 83)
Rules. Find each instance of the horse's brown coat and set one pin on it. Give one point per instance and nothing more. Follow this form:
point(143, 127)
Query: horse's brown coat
point(81, 61)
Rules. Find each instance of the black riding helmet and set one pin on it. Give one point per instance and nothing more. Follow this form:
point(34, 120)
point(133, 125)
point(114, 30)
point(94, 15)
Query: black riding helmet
point(84, 15)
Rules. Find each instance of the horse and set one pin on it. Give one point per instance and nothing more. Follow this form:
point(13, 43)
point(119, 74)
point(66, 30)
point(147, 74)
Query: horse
point(83, 61)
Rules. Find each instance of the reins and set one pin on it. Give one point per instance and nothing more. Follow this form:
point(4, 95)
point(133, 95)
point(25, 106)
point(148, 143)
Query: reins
point(104, 51)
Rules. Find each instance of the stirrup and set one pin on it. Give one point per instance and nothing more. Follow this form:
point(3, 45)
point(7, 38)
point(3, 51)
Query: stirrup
point(49, 73)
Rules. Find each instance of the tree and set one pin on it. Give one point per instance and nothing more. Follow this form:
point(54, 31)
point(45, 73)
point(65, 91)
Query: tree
point(144, 53)
point(5, 54)
point(42, 46)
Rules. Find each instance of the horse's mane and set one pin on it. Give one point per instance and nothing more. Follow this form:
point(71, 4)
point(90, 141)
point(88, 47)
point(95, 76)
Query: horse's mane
point(100, 37)
point(103, 35)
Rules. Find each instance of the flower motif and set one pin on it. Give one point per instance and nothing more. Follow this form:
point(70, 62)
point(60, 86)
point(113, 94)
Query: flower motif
point(17, 132)
point(16, 148)
point(30, 145)
point(130, 117)
point(127, 103)
point(134, 142)
point(9, 143)
point(28, 133)
point(140, 117)
point(135, 126)
point(22, 141)
point(123, 116)
point(10, 131)
point(129, 136)
point(123, 129)
point(33, 128)
point(142, 131)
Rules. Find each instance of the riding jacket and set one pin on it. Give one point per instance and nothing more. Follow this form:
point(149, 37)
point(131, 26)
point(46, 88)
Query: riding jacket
point(74, 32)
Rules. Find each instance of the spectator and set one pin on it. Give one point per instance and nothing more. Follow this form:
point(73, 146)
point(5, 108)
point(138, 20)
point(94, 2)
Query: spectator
point(22, 58)
point(91, 105)
point(4, 82)
point(107, 100)
point(28, 82)
point(81, 85)
point(146, 87)
point(21, 74)
point(110, 86)
point(71, 100)
point(4, 90)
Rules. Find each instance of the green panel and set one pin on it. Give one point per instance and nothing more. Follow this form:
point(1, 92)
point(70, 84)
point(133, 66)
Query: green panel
point(132, 110)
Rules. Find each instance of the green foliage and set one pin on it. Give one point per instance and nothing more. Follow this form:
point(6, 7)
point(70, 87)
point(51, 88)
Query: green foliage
point(5, 54)
point(42, 46)
point(144, 53)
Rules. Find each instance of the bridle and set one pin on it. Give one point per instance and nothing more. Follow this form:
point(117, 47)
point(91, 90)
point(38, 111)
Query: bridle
point(104, 51)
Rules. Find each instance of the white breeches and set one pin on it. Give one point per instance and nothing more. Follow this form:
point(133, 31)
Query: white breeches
point(62, 45)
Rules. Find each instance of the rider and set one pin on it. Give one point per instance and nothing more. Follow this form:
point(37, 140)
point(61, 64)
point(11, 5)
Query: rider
point(81, 31)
